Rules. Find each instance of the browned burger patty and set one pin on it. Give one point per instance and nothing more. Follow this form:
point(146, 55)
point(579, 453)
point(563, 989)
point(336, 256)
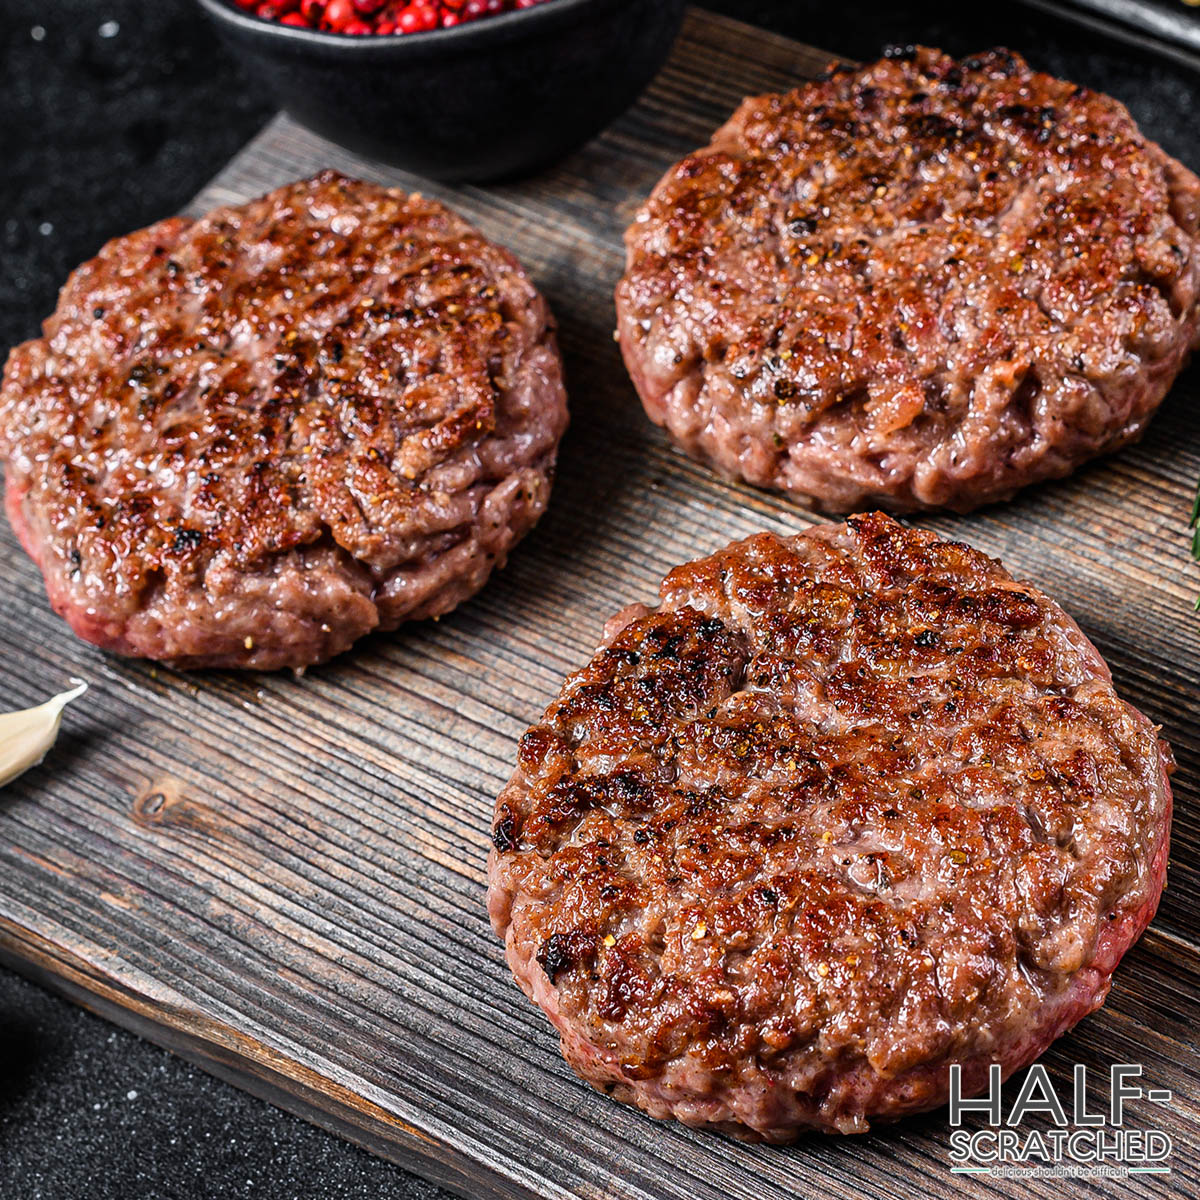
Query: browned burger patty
point(924, 283)
point(845, 809)
point(248, 440)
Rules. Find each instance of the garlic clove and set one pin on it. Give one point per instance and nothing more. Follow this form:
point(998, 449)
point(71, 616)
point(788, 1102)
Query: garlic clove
point(26, 736)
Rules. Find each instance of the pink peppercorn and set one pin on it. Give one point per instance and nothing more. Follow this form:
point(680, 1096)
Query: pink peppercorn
point(381, 17)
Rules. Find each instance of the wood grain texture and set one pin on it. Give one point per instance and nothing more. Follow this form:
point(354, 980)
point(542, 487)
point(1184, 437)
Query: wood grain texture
point(283, 879)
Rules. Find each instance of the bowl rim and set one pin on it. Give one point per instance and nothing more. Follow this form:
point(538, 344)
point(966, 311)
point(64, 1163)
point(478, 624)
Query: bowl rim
point(552, 11)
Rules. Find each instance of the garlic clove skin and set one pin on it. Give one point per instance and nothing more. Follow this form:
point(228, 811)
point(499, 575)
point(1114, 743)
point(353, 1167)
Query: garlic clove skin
point(27, 736)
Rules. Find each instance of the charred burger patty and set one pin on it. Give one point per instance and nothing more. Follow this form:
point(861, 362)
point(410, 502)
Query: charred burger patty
point(845, 809)
point(250, 439)
point(923, 283)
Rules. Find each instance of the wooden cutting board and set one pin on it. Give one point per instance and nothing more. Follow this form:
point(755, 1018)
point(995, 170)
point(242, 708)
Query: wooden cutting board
point(283, 879)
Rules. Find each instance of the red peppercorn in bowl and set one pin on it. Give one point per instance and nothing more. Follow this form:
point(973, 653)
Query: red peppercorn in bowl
point(359, 17)
point(453, 89)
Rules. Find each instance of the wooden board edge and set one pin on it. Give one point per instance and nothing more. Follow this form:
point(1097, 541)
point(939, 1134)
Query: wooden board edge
point(712, 22)
point(248, 1065)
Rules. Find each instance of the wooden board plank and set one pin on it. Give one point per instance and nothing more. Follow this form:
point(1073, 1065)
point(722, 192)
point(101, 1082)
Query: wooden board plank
point(283, 879)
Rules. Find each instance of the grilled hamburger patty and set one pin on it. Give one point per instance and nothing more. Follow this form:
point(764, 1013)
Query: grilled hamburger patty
point(844, 809)
point(925, 283)
point(249, 440)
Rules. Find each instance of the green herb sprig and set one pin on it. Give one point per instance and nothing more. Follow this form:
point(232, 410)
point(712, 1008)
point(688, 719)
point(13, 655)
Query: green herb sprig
point(1194, 525)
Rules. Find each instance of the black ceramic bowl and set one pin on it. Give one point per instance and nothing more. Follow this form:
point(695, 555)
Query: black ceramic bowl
point(491, 98)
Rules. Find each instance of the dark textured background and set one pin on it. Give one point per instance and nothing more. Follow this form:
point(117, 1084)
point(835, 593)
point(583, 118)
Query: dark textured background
point(102, 134)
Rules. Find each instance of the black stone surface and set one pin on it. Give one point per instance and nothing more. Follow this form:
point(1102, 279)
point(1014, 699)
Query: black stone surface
point(114, 113)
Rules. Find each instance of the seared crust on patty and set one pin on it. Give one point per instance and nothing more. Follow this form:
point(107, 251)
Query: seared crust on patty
point(844, 809)
point(250, 439)
point(924, 283)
